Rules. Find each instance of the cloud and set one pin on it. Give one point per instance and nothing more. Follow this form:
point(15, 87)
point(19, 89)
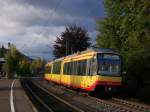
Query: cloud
point(32, 25)
point(71, 7)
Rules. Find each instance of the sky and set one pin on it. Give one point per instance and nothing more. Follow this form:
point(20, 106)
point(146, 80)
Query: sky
point(33, 25)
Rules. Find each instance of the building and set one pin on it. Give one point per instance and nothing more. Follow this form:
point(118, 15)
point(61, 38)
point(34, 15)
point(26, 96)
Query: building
point(2, 61)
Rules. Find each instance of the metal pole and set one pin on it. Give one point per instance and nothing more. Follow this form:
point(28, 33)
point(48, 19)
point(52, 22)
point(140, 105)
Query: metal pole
point(66, 47)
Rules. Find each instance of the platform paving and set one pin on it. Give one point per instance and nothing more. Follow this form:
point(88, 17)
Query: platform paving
point(21, 102)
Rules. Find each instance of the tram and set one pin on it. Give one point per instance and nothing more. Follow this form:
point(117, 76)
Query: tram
point(95, 69)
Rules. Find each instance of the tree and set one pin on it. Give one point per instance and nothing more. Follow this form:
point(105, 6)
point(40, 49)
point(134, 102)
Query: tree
point(37, 66)
point(126, 28)
point(72, 40)
point(15, 62)
point(24, 67)
point(3, 51)
point(12, 61)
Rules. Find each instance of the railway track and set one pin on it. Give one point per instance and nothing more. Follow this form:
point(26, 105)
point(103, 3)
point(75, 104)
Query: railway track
point(120, 104)
point(137, 106)
point(116, 107)
point(45, 101)
point(98, 105)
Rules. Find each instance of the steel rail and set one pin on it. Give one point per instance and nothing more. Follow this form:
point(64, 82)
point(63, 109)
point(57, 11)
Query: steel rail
point(136, 105)
point(103, 102)
point(107, 103)
point(38, 98)
point(60, 99)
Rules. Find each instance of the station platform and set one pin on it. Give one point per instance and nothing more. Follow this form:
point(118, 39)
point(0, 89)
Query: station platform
point(13, 97)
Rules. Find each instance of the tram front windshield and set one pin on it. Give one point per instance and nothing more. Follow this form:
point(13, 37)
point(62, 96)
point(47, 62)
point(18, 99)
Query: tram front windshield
point(109, 64)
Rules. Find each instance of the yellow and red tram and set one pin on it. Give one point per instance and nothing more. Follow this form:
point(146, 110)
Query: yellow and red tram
point(90, 70)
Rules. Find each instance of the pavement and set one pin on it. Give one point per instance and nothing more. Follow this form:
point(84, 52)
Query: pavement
point(13, 97)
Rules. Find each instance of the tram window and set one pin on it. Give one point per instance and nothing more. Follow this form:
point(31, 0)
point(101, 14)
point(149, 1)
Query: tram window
point(77, 64)
point(74, 68)
point(71, 71)
point(78, 68)
point(84, 63)
point(65, 68)
point(69, 68)
point(88, 67)
point(56, 67)
point(81, 68)
point(93, 67)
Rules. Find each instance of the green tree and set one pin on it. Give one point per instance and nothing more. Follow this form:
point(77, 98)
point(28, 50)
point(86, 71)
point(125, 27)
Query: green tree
point(37, 66)
point(24, 67)
point(73, 39)
point(127, 29)
point(12, 58)
point(16, 62)
point(3, 51)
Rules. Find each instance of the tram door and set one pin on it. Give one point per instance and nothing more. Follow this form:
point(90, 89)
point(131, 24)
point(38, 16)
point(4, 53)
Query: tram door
point(91, 72)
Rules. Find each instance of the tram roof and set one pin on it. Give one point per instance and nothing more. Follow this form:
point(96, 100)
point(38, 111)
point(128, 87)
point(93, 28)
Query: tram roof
point(99, 50)
point(104, 50)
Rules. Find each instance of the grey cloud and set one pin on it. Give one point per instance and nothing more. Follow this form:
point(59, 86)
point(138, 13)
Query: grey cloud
point(28, 15)
point(34, 24)
point(88, 8)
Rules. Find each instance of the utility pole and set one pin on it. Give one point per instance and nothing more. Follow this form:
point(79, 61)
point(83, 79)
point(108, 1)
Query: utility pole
point(66, 48)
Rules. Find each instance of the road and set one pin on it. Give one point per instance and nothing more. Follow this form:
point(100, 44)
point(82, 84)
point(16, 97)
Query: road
point(13, 97)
